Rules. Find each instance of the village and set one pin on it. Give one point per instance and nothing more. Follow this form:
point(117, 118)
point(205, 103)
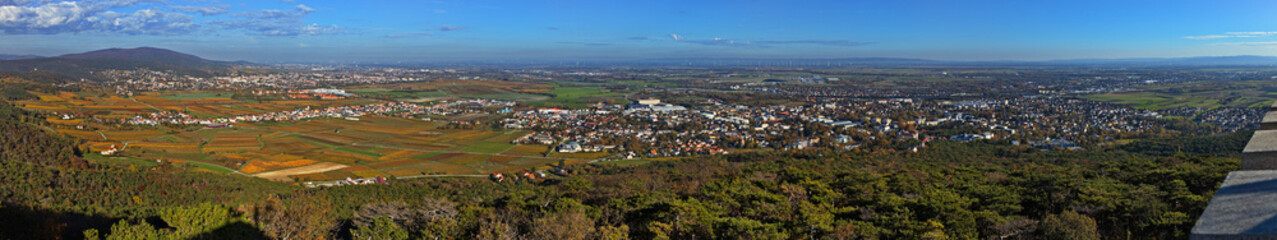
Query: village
point(443, 108)
point(127, 82)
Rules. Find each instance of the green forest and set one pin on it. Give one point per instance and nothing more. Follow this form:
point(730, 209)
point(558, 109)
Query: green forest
point(949, 191)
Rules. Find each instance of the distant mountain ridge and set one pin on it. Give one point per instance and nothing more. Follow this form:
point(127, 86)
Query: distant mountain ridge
point(82, 65)
point(14, 57)
point(794, 61)
point(143, 54)
point(1203, 60)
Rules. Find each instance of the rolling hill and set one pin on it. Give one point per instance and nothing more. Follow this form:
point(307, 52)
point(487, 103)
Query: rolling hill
point(83, 65)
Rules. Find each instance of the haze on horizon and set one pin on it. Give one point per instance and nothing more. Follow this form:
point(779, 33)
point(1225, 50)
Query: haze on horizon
point(316, 31)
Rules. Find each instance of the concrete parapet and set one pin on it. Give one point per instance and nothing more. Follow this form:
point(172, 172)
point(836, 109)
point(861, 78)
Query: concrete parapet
point(1269, 122)
point(1261, 151)
point(1245, 207)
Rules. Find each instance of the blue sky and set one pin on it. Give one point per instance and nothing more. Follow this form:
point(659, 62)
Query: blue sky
point(387, 31)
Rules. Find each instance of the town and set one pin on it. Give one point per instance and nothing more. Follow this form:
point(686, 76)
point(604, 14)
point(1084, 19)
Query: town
point(325, 123)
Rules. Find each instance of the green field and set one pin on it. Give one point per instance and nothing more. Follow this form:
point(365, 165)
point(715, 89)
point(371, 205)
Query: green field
point(410, 96)
point(518, 97)
point(1154, 101)
point(1263, 104)
point(487, 147)
point(1200, 98)
point(400, 95)
point(424, 94)
point(579, 97)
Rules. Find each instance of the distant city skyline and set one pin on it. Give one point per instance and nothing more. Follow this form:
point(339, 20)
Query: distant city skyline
point(388, 31)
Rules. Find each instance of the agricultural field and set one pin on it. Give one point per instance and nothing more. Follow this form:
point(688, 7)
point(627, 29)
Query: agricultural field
point(580, 97)
point(1155, 101)
point(454, 89)
point(197, 95)
point(537, 94)
point(1241, 94)
point(386, 146)
point(517, 97)
point(207, 104)
point(315, 149)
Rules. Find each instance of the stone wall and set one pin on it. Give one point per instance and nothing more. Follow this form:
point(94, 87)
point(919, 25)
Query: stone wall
point(1245, 207)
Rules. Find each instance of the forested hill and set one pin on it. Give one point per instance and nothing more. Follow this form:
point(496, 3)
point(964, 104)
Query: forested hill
point(84, 65)
point(48, 191)
point(27, 142)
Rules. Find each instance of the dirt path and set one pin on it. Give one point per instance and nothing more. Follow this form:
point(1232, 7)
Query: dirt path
point(282, 175)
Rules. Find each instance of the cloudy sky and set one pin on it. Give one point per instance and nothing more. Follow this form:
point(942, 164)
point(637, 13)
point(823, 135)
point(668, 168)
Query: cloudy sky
point(386, 30)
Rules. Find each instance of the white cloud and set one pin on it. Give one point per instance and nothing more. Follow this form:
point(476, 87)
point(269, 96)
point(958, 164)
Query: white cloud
point(272, 22)
point(1249, 44)
point(150, 17)
point(676, 37)
point(14, 2)
point(48, 17)
point(1232, 35)
point(204, 10)
point(304, 8)
point(316, 29)
point(1252, 33)
point(1207, 37)
point(147, 22)
point(43, 17)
